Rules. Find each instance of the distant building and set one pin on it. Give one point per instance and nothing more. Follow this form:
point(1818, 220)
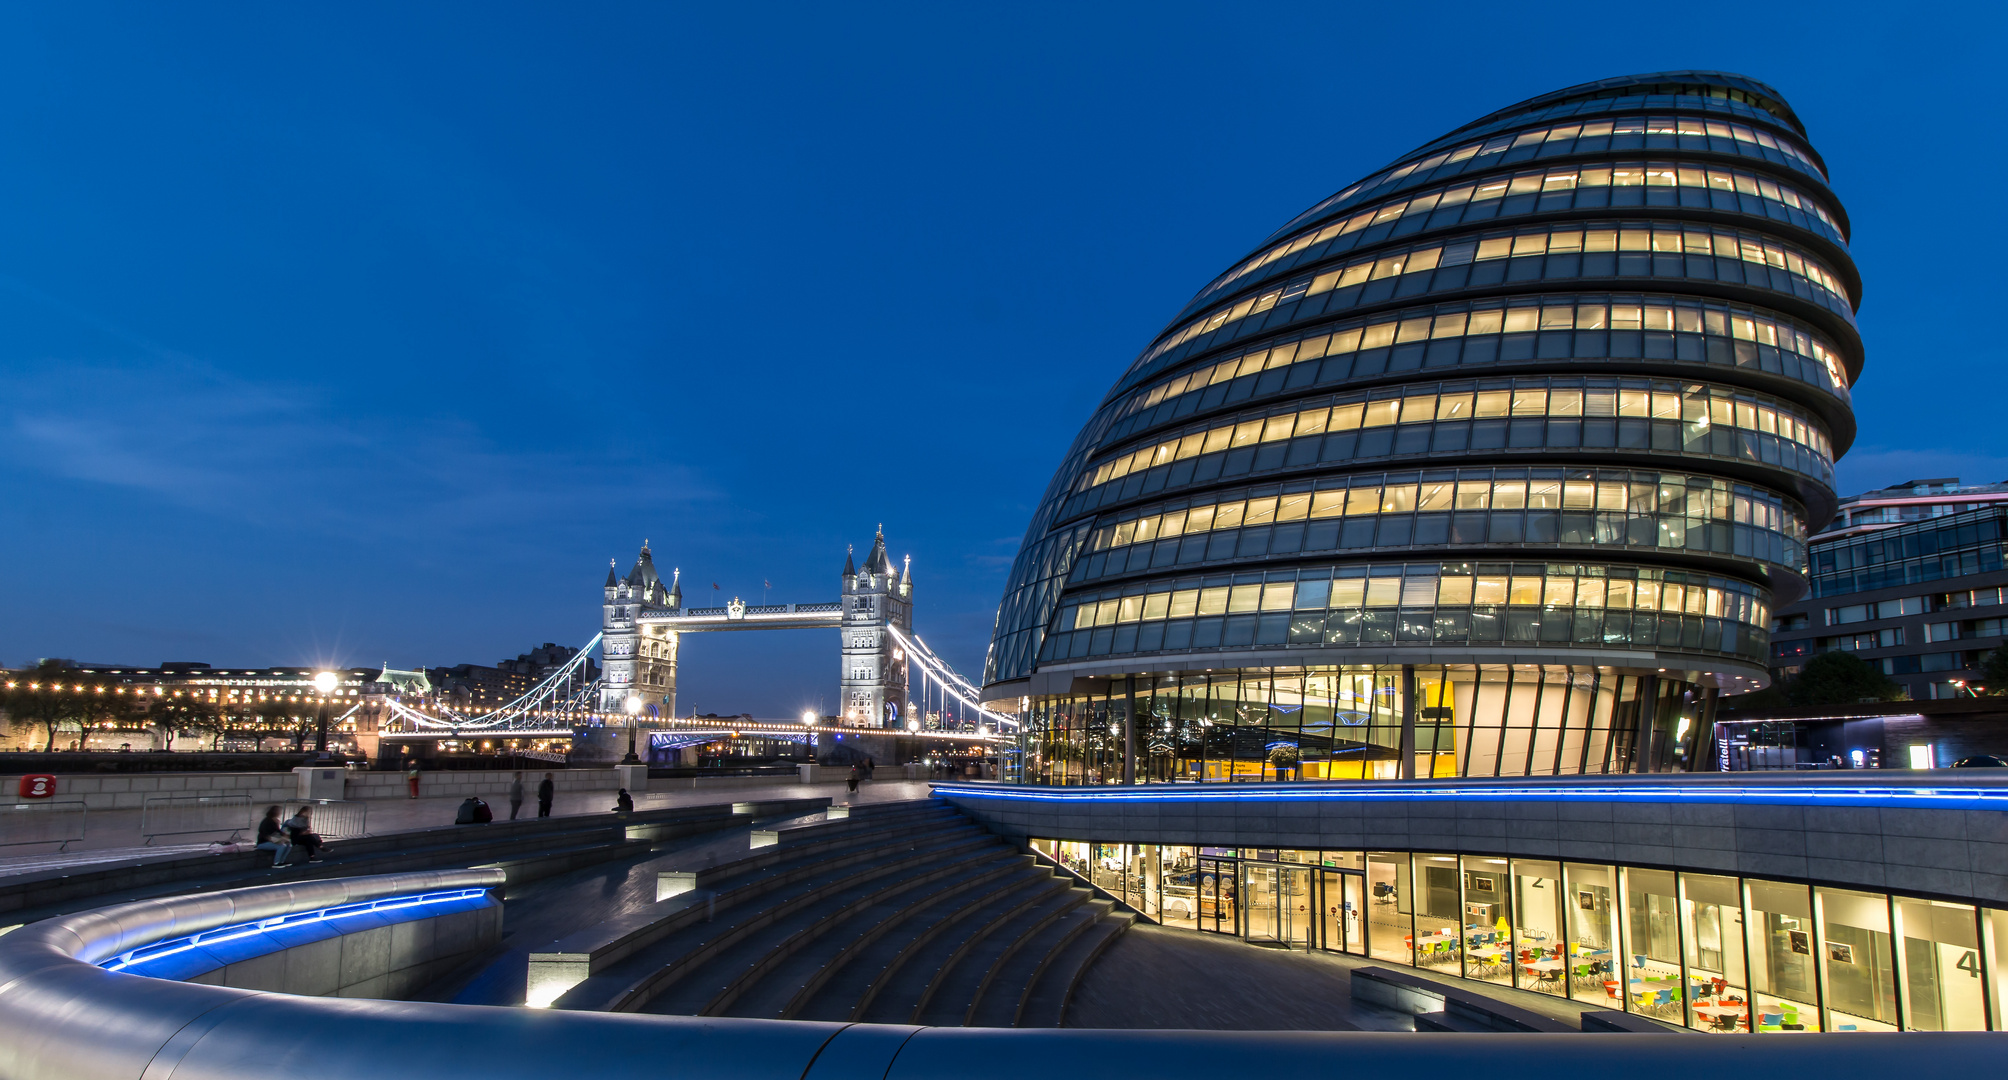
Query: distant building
point(1909, 578)
point(478, 686)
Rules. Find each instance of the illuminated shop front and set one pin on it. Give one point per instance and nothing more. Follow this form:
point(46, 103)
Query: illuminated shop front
point(1713, 952)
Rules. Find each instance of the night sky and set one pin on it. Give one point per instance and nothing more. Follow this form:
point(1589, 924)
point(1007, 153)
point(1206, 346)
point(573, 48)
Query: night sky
point(364, 333)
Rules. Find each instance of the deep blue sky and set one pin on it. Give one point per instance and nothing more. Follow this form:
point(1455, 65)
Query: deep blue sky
point(353, 333)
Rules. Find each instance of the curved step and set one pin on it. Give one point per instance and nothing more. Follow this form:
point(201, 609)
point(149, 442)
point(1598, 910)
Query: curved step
point(1003, 993)
point(848, 989)
point(789, 985)
point(906, 986)
point(958, 985)
point(714, 942)
point(1046, 1004)
point(774, 949)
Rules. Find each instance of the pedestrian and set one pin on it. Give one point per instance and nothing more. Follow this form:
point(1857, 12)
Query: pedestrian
point(411, 777)
point(854, 778)
point(300, 830)
point(545, 791)
point(272, 837)
point(515, 795)
point(623, 802)
point(869, 766)
point(473, 812)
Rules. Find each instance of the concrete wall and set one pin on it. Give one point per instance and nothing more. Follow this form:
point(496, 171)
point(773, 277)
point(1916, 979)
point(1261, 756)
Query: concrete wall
point(380, 962)
point(1797, 828)
point(112, 792)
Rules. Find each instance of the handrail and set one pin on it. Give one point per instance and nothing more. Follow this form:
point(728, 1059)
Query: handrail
point(64, 1018)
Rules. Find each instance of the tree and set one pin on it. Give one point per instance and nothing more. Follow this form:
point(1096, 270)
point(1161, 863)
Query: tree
point(193, 712)
point(1838, 678)
point(1993, 679)
point(52, 695)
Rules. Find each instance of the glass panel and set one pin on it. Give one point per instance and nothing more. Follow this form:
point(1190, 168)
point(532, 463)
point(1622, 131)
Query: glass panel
point(1217, 907)
point(1941, 967)
point(1537, 900)
point(1652, 942)
point(1436, 913)
point(1178, 893)
point(1593, 934)
point(1995, 927)
point(1261, 894)
point(1388, 923)
point(1711, 928)
point(1488, 920)
point(1855, 958)
point(1780, 933)
point(1106, 866)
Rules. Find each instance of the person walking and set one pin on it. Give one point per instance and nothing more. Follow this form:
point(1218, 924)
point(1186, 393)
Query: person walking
point(515, 795)
point(545, 791)
point(411, 777)
point(854, 779)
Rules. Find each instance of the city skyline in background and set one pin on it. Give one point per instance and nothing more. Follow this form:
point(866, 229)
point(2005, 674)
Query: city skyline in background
point(370, 342)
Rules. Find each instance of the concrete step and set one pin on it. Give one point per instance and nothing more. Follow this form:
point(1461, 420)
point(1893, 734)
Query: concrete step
point(1045, 1005)
point(704, 932)
point(793, 981)
point(1010, 981)
point(896, 995)
point(958, 985)
point(843, 992)
point(747, 964)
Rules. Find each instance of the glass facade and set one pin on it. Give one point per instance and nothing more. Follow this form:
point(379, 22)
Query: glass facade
point(1712, 952)
point(1353, 723)
point(1494, 463)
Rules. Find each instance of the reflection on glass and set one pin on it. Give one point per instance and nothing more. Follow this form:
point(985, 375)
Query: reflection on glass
point(1855, 957)
point(1488, 920)
point(1541, 959)
point(1711, 925)
point(1592, 915)
point(1780, 942)
point(1652, 942)
point(1437, 939)
point(1389, 906)
point(1942, 975)
point(1178, 874)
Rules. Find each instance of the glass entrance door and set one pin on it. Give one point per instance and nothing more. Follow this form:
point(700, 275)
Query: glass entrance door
point(1218, 909)
point(1277, 900)
point(1341, 898)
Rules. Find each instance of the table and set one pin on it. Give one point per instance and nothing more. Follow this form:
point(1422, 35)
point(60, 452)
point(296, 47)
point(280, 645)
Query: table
point(1724, 1016)
point(1544, 965)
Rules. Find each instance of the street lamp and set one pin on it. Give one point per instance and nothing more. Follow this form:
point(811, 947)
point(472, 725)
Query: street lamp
point(633, 707)
point(325, 682)
point(809, 719)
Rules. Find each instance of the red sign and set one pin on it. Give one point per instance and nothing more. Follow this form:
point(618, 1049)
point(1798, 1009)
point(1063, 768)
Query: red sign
point(38, 786)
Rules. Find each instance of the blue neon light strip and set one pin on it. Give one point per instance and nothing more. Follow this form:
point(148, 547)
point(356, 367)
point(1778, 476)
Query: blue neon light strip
point(1939, 798)
point(237, 931)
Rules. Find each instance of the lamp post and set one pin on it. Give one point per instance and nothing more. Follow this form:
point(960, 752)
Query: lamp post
point(633, 706)
point(325, 682)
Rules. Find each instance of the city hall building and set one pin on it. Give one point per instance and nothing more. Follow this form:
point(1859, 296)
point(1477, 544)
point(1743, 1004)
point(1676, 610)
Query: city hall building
point(1495, 463)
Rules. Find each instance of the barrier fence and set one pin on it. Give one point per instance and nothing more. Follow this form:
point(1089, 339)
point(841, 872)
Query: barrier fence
point(43, 823)
point(340, 820)
point(176, 815)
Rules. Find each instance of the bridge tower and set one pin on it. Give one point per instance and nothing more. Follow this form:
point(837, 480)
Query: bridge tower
point(639, 659)
point(873, 679)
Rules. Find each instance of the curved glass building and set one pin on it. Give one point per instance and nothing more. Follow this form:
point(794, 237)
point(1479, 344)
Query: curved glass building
point(1494, 463)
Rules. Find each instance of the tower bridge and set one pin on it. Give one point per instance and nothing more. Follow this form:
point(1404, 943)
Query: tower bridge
point(887, 678)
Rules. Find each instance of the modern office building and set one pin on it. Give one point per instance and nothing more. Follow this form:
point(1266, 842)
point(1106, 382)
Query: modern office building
point(1496, 462)
point(1909, 578)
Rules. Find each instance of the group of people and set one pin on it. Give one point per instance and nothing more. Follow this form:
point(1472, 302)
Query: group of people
point(861, 772)
point(292, 840)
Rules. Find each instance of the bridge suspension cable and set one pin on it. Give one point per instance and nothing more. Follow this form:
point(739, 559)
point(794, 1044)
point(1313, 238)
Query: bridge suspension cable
point(548, 706)
point(951, 682)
